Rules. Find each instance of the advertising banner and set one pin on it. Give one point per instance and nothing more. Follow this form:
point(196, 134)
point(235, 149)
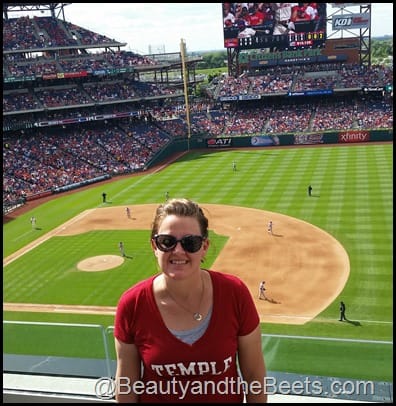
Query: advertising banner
point(351, 21)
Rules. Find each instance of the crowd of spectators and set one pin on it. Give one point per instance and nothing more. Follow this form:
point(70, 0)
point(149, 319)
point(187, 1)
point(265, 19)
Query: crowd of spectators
point(284, 80)
point(16, 67)
point(77, 94)
point(42, 32)
point(278, 117)
point(45, 160)
point(31, 34)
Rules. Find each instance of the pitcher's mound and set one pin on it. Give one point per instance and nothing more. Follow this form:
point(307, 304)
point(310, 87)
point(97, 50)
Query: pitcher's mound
point(100, 263)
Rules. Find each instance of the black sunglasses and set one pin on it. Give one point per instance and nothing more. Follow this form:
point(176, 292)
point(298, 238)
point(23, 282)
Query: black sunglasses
point(190, 243)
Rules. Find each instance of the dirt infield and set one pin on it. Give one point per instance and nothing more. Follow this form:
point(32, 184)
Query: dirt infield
point(305, 268)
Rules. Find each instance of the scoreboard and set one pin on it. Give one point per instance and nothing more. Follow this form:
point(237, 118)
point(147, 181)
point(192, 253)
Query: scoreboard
point(284, 42)
point(277, 26)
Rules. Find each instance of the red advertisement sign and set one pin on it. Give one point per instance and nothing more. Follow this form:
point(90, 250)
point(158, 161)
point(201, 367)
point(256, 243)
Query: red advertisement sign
point(353, 136)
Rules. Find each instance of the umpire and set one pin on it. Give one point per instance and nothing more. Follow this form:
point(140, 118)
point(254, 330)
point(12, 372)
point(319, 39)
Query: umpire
point(342, 311)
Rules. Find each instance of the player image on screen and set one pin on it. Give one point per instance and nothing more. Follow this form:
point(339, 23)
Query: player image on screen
point(279, 26)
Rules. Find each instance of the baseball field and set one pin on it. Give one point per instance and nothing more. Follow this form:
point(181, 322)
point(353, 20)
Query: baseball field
point(334, 245)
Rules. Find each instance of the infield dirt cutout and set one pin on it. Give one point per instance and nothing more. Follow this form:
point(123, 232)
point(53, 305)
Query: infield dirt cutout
point(304, 267)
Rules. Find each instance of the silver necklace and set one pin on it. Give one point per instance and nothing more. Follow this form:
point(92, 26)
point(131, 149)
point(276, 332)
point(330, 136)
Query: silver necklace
point(196, 315)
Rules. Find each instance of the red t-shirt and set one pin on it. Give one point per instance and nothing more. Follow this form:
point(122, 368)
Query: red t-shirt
point(205, 371)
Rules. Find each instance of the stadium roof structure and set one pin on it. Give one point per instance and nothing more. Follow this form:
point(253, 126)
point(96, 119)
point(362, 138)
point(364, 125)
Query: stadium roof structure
point(52, 7)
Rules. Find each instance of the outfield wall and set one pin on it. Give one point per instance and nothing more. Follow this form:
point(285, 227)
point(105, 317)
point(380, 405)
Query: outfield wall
point(343, 137)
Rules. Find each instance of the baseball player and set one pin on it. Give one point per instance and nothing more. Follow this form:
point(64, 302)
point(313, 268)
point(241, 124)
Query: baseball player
point(262, 290)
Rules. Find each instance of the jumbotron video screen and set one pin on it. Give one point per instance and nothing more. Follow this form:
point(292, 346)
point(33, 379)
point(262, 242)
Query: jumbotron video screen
point(278, 26)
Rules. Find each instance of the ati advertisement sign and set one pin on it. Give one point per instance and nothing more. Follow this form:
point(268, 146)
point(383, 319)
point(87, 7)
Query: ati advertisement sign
point(218, 142)
point(351, 21)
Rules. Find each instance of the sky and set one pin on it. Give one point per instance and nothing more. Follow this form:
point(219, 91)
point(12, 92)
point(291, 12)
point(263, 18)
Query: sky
point(159, 27)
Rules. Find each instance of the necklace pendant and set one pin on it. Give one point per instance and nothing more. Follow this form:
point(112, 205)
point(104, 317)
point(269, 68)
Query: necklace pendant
point(197, 316)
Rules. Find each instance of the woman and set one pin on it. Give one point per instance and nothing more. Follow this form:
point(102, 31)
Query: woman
point(180, 333)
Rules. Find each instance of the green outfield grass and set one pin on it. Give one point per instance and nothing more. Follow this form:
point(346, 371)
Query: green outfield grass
point(352, 200)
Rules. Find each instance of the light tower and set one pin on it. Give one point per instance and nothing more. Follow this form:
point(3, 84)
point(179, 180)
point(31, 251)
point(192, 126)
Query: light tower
point(185, 82)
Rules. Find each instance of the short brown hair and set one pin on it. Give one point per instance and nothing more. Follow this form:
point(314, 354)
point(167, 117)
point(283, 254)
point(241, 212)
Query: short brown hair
point(180, 207)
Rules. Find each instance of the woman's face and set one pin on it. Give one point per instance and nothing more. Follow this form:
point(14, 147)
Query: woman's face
point(178, 263)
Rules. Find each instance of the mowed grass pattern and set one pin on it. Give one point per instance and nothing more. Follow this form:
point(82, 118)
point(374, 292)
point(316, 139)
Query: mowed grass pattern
point(352, 200)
